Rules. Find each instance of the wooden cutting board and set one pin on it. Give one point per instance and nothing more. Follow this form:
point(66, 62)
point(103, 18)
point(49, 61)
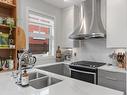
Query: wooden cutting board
point(21, 39)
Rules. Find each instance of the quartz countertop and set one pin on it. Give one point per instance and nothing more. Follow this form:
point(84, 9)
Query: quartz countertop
point(113, 69)
point(68, 86)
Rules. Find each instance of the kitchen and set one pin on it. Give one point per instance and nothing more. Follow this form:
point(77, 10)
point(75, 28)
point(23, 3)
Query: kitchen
point(55, 23)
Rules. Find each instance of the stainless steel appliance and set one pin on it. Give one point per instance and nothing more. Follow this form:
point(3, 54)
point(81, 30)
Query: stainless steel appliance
point(26, 61)
point(90, 22)
point(85, 71)
point(66, 53)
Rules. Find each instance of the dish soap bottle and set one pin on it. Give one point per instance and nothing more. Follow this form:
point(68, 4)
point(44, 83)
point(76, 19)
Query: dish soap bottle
point(58, 54)
point(25, 79)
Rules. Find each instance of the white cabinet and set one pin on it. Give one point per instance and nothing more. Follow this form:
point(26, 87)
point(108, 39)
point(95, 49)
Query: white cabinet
point(110, 79)
point(67, 26)
point(116, 23)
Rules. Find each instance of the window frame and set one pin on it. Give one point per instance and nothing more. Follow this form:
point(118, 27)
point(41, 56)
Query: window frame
point(51, 41)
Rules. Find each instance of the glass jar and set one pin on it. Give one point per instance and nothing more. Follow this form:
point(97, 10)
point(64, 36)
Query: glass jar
point(1, 20)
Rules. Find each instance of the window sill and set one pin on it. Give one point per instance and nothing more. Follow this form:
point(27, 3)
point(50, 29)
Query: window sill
point(41, 57)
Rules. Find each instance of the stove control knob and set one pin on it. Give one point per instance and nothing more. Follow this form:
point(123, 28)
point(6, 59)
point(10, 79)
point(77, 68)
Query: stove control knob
point(94, 66)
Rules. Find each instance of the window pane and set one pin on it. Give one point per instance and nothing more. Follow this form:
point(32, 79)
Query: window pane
point(40, 34)
point(41, 47)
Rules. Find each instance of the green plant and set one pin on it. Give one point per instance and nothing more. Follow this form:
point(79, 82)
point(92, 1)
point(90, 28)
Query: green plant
point(11, 24)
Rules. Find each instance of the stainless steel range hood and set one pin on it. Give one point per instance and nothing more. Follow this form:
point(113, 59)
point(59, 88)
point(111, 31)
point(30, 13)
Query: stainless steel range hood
point(90, 21)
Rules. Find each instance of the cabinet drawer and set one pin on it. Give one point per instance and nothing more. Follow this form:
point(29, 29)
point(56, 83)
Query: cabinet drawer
point(112, 83)
point(112, 75)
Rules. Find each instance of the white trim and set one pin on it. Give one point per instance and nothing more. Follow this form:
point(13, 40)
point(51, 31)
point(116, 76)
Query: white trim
point(53, 17)
point(42, 57)
point(38, 11)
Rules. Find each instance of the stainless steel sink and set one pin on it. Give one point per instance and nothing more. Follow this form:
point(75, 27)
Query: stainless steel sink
point(38, 80)
point(43, 82)
point(61, 69)
point(35, 75)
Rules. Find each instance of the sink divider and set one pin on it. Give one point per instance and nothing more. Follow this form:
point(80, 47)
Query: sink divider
point(39, 78)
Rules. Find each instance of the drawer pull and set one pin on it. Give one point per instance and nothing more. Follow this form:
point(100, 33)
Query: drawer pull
point(111, 78)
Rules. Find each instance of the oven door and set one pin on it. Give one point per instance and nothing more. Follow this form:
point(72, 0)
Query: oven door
point(84, 76)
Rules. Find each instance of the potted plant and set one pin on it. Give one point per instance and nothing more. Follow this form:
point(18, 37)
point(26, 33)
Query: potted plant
point(11, 24)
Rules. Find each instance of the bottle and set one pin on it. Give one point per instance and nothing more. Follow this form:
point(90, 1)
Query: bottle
point(10, 40)
point(25, 79)
point(58, 54)
point(11, 63)
point(1, 64)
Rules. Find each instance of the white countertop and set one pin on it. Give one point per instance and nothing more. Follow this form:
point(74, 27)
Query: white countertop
point(113, 69)
point(68, 86)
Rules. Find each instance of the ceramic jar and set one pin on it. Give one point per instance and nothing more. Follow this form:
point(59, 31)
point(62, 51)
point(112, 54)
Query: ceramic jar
point(11, 64)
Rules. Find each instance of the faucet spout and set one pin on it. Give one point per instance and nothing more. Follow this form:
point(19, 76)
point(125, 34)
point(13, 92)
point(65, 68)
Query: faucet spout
point(25, 62)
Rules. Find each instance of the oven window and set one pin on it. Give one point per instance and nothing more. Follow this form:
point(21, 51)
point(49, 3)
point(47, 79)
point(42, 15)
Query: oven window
point(83, 76)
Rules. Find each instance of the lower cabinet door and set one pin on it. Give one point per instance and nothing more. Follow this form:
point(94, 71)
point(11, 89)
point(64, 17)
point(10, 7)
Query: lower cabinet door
point(113, 80)
point(112, 83)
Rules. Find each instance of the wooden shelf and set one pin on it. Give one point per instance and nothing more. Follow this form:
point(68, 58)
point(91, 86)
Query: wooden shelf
point(6, 71)
point(6, 48)
point(3, 26)
point(9, 10)
point(6, 5)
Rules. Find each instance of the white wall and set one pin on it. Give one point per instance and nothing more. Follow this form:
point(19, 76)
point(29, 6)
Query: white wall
point(67, 26)
point(95, 49)
point(44, 7)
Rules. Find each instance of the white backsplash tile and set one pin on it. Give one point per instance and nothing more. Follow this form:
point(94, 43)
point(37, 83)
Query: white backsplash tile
point(93, 50)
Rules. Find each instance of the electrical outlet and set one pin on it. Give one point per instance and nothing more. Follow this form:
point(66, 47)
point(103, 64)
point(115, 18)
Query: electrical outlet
point(75, 54)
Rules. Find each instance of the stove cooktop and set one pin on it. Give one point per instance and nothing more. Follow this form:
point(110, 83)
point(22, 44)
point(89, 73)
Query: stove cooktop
point(88, 64)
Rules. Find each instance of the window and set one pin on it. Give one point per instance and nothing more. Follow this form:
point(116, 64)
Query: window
point(41, 33)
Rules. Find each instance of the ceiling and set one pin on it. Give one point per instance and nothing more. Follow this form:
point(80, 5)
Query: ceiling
point(61, 3)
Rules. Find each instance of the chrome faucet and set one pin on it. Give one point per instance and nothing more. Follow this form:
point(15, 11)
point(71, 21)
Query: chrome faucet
point(26, 61)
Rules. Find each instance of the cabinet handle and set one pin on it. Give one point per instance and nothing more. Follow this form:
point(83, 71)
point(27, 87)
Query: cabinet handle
point(111, 78)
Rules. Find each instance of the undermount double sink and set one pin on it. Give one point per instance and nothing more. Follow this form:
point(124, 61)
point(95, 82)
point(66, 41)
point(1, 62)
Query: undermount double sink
point(38, 80)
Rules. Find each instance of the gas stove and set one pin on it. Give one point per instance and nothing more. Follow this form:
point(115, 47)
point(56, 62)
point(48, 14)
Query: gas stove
point(85, 70)
point(87, 64)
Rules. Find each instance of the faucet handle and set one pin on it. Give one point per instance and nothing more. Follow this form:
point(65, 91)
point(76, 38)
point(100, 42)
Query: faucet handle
point(18, 78)
point(14, 74)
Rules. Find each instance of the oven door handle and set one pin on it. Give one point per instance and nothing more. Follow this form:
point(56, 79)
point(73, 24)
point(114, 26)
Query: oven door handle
point(86, 73)
point(83, 72)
